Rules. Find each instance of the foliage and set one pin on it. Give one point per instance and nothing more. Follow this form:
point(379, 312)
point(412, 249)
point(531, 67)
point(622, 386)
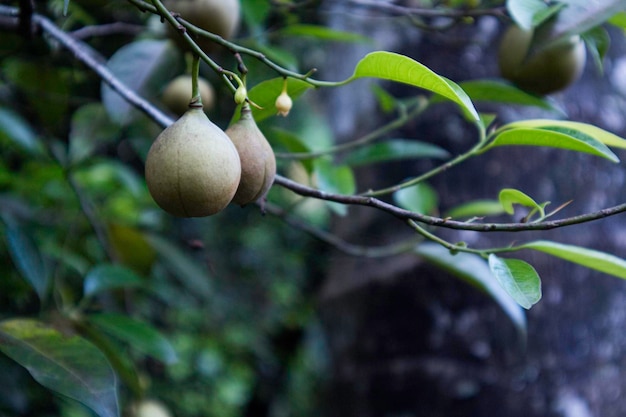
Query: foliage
point(107, 300)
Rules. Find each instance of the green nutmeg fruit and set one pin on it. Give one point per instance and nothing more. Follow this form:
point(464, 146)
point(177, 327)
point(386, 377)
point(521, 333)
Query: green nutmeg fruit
point(258, 162)
point(548, 70)
point(192, 168)
point(220, 17)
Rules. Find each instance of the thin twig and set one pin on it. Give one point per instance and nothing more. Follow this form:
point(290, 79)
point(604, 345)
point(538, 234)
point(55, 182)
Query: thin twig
point(360, 200)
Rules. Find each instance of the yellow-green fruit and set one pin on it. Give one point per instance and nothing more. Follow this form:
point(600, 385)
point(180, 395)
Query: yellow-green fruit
point(192, 168)
point(258, 163)
point(177, 94)
point(216, 16)
point(550, 69)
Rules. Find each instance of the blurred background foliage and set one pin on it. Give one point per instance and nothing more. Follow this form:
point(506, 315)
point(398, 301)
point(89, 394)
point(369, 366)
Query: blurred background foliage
point(230, 299)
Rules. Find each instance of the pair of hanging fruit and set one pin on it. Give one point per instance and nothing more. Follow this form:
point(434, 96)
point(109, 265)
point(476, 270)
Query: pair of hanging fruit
point(196, 169)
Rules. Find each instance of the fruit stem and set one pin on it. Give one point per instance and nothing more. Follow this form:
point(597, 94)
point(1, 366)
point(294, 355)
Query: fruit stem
point(196, 99)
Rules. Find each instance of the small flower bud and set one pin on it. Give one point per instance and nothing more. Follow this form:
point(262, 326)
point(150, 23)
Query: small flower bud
point(283, 103)
point(241, 94)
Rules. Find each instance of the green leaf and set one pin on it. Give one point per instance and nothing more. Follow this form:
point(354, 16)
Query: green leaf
point(386, 101)
point(524, 11)
point(477, 208)
point(597, 41)
point(518, 278)
point(395, 149)
point(510, 196)
point(291, 143)
point(64, 363)
point(593, 259)
point(595, 132)
point(15, 129)
point(500, 92)
point(144, 66)
point(264, 94)
point(28, 259)
point(91, 127)
point(255, 12)
point(553, 137)
point(475, 271)
point(141, 336)
point(578, 17)
point(106, 277)
point(400, 68)
point(323, 33)
point(420, 198)
point(337, 179)
point(619, 20)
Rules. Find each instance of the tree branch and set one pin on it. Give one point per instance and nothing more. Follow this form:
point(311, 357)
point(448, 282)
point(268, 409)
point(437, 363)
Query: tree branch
point(95, 62)
point(361, 200)
point(90, 58)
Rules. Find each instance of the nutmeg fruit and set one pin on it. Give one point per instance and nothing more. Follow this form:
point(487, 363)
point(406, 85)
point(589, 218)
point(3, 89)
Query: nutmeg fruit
point(258, 163)
point(192, 168)
point(549, 70)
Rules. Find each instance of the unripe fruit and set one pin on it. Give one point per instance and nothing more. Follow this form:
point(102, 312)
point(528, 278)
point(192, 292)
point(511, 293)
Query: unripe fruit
point(258, 163)
point(192, 168)
point(549, 70)
point(216, 16)
point(177, 94)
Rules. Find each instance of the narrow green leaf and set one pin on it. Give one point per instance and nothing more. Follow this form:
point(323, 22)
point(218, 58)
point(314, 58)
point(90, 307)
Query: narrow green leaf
point(106, 277)
point(141, 336)
point(578, 17)
point(590, 258)
point(477, 208)
point(66, 5)
point(28, 259)
point(518, 278)
point(144, 66)
point(264, 94)
point(386, 101)
point(400, 68)
point(595, 132)
point(597, 41)
point(67, 364)
point(323, 33)
point(619, 20)
point(15, 129)
point(420, 198)
point(495, 91)
point(552, 138)
point(475, 271)
point(524, 11)
point(394, 149)
point(510, 196)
